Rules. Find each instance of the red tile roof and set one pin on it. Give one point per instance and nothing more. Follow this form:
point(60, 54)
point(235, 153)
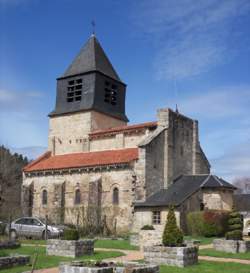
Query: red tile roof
point(77, 160)
point(125, 128)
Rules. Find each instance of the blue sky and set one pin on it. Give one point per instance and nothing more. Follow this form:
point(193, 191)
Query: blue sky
point(193, 53)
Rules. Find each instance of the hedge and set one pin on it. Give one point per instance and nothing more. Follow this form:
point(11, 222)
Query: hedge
point(207, 223)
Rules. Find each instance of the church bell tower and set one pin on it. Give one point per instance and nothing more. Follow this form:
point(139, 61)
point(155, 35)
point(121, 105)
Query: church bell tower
point(90, 96)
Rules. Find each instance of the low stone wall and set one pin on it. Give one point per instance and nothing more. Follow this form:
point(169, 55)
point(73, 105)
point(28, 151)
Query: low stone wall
point(68, 248)
point(150, 238)
point(9, 244)
point(10, 261)
point(177, 256)
point(231, 246)
point(73, 267)
point(134, 239)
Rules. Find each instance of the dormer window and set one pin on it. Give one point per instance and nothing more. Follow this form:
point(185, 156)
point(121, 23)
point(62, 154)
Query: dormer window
point(110, 95)
point(74, 91)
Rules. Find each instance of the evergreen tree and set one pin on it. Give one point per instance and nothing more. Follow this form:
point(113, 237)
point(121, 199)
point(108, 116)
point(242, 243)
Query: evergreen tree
point(172, 235)
point(235, 226)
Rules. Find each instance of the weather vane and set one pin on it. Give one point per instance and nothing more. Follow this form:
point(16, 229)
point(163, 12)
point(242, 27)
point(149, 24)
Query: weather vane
point(93, 26)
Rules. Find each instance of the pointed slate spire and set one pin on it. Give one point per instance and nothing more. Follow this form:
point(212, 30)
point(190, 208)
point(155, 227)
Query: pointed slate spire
point(91, 58)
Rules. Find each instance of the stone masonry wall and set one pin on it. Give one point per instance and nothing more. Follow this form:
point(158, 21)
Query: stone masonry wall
point(10, 261)
point(69, 248)
point(110, 179)
point(231, 246)
point(175, 256)
point(218, 200)
point(69, 133)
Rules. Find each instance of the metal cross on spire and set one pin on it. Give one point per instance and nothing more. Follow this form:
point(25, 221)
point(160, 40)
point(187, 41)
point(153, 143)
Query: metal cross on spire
point(93, 26)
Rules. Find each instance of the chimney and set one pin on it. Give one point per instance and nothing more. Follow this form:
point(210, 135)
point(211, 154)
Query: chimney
point(163, 117)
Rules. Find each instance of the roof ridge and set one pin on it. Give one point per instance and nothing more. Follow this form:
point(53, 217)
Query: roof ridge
point(205, 181)
point(218, 180)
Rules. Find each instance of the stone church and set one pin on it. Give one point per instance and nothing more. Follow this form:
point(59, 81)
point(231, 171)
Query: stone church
point(98, 165)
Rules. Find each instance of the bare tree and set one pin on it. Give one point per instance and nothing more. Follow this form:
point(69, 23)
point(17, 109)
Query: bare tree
point(243, 184)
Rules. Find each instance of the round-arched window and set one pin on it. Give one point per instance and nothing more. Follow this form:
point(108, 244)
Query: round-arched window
point(44, 197)
point(77, 197)
point(115, 196)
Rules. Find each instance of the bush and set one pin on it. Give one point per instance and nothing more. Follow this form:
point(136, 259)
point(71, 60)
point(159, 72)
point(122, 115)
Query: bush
point(207, 223)
point(147, 227)
point(235, 226)
point(70, 234)
point(172, 235)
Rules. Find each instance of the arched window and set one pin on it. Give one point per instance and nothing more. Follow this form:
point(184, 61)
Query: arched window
point(44, 197)
point(115, 196)
point(77, 197)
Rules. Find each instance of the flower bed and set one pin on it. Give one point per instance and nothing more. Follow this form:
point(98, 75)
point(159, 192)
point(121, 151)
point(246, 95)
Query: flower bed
point(177, 256)
point(101, 267)
point(69, 248)
point(231, 246)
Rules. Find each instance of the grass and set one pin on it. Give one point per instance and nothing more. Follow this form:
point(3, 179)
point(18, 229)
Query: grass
point(32, 242)
point(44, 261)
point(203, 240)
point(115, 244)
point(221, 254)
point(208, 267)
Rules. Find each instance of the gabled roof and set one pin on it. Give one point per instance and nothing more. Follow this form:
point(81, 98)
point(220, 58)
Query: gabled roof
point(182, 188)
point(91, 58)
point(125, 128)
point(242, 202)
point(78, 160)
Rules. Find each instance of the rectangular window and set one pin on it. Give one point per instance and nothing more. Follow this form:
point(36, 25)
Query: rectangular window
point(74, 90)
point(156, 217)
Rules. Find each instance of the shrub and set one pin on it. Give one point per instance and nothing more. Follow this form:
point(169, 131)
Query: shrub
point(207, 223)
point(70, 234)
point(235, 226)
point(172, 235)
point(147, 227)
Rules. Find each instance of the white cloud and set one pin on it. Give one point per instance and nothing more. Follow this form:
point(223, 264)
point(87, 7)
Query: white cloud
point(191, 36)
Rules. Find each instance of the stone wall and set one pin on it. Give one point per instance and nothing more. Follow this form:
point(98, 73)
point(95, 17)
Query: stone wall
point(218, 199)
point(79, 267)
point(10, 261)
point(175, 256)
point(69, 248)
point(121, 178)
point(69, 133)
point(9, 244)
point(231, 246)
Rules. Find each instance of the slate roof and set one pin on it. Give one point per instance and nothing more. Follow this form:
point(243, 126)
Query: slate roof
point(242, 202)
point(126, 128)
point(77, 160)
point(91, 58)
point(182, 188)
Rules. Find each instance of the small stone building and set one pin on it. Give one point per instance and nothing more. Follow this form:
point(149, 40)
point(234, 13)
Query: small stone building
point(97, 165)
point(188, 193)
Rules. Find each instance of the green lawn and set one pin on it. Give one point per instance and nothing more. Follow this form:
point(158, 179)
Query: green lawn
point(208, 267)
point(115, 244)
point(203, 240)
point(32, 242)
point(215, 253)
point(44, 261)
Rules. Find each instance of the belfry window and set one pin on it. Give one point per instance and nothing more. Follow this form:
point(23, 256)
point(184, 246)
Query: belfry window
point(115, 196)
point(74, 91)
point(77, 197)
point(44, 197)
point(110, 95)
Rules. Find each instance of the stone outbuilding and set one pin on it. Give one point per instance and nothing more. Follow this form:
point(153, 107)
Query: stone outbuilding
point(187, 193)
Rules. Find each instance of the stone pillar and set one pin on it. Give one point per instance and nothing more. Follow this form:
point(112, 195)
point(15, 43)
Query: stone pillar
point(163, 117)
point(94, 202)
point(27, 199)
point(58, 203)
point(195, 146)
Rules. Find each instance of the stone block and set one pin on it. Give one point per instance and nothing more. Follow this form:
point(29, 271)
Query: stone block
point(176, 256)
point(231, 246)
point(68, 248)
point(10, 261)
